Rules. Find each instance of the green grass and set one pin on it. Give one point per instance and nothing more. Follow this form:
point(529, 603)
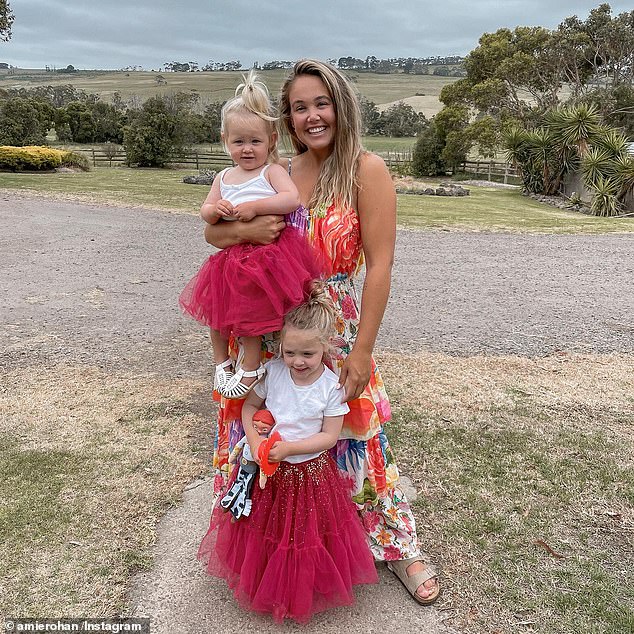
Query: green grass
point(492, 209)
point(486, 209)
point(526, 486)
point(83, 478)
point(493, 476)
point(160, 189)
point(382, 144)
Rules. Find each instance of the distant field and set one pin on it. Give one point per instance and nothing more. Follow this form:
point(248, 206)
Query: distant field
point(420, 91)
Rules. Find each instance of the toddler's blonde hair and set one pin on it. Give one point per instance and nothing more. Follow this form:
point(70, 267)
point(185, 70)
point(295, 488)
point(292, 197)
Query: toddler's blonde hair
point(252, 98)
point(316, 313)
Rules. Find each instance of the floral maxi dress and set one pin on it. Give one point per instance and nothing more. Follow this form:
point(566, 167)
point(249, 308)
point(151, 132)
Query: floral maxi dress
point(362, 451)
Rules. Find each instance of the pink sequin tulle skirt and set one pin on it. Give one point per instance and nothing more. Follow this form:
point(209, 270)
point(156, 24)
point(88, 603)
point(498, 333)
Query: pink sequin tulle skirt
point(301, 550)
point(246, 289)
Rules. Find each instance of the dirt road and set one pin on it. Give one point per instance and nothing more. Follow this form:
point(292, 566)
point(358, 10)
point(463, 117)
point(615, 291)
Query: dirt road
point(102, 283)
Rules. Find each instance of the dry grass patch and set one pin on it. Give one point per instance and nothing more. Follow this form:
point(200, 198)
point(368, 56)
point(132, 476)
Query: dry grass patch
point(525, 470)
point(89, 463)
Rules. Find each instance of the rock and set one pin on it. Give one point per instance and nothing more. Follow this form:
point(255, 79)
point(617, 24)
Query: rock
point(204, 177)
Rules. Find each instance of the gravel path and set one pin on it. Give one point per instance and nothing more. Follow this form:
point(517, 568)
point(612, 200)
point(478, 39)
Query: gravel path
point(99, 284)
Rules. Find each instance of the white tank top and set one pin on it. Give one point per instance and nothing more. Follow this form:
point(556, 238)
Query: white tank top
point(253, 189)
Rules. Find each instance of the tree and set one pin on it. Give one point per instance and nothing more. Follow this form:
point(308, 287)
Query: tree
point(369, 116)
point(6, 20)
point(212, 115)
point(399, 120)
point(25, 121)
point(84, 122)
point(151, 135)
point(426, 158)
point(509, 74)
point(518, 75)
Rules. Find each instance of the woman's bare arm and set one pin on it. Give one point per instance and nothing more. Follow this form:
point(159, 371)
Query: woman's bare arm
point(260, 230)
point(376, 204)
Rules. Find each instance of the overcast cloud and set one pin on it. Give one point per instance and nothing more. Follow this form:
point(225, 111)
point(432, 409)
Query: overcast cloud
point(149, 33)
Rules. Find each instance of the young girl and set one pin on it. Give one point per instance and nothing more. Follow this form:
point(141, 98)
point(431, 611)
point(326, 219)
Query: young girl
point(247, 289)
point(303, 547)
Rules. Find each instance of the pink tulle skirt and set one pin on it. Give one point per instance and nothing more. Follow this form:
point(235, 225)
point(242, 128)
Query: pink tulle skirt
point(247, 289)
point(301, 550)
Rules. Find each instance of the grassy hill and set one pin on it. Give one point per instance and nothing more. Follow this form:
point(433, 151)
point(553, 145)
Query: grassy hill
point(420, 91)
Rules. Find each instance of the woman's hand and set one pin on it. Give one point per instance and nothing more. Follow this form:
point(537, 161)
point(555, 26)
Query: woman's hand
point(355, 374)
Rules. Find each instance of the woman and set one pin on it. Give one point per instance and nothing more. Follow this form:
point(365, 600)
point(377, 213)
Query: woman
point(348, 196)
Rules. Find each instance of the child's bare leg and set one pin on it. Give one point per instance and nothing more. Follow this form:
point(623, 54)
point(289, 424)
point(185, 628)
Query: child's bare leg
point(224, 372)
point(252, 348)
point(220, 346)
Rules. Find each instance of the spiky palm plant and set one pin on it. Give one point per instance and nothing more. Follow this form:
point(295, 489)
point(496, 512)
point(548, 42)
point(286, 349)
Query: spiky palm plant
point(613, 142)
point(517, 146)
point(624, 171)
point(515, 141)
point(541, 145)
point(597, 163)
point(575, 125)
point(604, 197)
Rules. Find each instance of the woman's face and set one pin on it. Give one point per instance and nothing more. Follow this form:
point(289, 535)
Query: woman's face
point(312, 113)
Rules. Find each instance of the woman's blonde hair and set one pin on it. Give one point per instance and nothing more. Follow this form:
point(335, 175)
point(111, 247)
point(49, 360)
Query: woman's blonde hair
point(337, 180)
point(252, 98)
point(317, 313)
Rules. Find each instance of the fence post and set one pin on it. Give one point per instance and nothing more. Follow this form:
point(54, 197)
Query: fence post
point(197, 165)
point(490, 166)
point(94, 161)
point(506, 173)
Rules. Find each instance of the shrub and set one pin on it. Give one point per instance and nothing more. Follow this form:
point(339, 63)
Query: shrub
point(30, 157)
point(427, 156)
point(38, 158)
point(75, 159)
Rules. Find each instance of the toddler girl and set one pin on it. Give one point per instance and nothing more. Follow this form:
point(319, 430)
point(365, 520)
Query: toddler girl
point(303, 547)
point(247, 289)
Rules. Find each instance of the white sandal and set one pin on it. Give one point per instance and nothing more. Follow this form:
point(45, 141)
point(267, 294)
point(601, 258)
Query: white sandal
point(223, 375)
point(235, 389)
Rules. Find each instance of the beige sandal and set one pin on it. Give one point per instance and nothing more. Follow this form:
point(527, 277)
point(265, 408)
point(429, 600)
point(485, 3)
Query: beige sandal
point(413, 582)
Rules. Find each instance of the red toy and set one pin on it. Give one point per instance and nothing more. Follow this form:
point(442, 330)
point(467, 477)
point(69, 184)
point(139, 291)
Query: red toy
point(266, 467)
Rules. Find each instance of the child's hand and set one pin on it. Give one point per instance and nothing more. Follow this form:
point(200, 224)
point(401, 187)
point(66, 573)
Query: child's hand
point(245, 212)
point(279, 451)
point(225, 209)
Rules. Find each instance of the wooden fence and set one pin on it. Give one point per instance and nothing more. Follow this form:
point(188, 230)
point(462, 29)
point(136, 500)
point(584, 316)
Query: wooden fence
point(100, 157)
point(492, 170)
point(489, 170)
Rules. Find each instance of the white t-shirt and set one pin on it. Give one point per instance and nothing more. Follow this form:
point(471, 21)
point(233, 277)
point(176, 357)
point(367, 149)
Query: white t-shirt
point(299, 410)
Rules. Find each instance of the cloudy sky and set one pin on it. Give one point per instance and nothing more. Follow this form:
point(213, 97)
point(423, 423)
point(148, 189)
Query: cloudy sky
point(149, 33)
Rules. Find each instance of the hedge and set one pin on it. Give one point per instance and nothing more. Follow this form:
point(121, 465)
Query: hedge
point(38, 158)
